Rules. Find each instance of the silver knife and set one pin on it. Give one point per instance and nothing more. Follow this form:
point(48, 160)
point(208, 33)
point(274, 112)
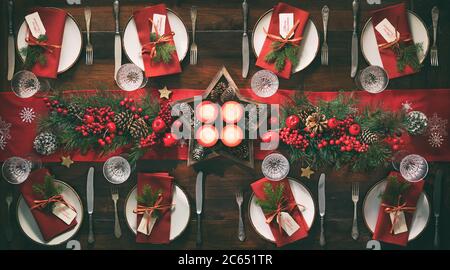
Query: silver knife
point(354, 40)
point(90, 202)
point(245, 49)
point(11, 47)
point(117, 40)
point(437, 205)
point(321, 189)
point(199, 205)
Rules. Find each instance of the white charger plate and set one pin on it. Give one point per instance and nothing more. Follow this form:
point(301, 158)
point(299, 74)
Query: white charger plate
point(71, 44)
point(302, 196)
point(371, 207)
point(369, 45)
point(132, 46)
point(309, 45)
point(29, 226)
point(181, 212)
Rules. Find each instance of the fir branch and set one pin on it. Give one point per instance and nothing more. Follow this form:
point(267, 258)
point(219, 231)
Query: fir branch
point(279, 56)
point(163, 50)
point(34, 54)
point(148, 197)
point(47, 190)
point(407, 56)
point(394, 189)
point(274, 196)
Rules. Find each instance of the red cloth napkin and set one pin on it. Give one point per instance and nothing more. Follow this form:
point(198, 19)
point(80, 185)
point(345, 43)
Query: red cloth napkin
point(384, 224)
point(49, 224)
point(274, 29)
point(54, 20)
point(161, 230)
point(398, 17)
point(281, 238)
point(144, 27)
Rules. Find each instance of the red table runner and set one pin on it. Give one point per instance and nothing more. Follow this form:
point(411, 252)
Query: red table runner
point(18, 119)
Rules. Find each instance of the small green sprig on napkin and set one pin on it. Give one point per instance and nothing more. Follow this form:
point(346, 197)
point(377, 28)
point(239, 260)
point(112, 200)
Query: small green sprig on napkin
point(279, 56)
point(34, 54)
point(274, 196)
point(164, 50)
point(47, 190)
point(148, 198)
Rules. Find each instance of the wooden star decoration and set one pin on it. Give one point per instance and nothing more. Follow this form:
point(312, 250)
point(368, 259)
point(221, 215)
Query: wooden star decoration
point(307, 172)
point(66, 161)
point(164, 93)
point(222, 76)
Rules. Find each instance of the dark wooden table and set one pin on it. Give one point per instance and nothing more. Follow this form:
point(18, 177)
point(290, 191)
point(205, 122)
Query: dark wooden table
point(219, 41)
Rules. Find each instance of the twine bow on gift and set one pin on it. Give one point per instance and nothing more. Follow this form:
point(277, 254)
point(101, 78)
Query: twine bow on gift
point(141, 209)
point(396, 41)
point(150, 47)
point(396, 210)
point(283, 41)
point(281, 207)
point(43, 44)
point(54, 199)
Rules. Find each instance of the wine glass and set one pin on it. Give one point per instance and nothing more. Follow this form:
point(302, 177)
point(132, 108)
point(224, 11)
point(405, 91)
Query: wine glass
point(264, 83)
point(25, 84)
point(15, 170)
point(275, 167)
point(398, 157)
point(130, 77)
point(373, 79)
point(413, 168)
point(116, 170)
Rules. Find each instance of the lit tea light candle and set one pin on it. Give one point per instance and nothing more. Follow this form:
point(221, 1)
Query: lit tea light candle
point(206, 112)
point(232, 135)
point(232, 112)
point(207, 135)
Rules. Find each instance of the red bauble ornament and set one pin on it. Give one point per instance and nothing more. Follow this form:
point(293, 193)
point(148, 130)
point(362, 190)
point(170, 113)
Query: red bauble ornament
point(332, 123)
point(292, 121)
point(269, 136)
point(89, 119)
point(169, 140)
point(354, 129)
point(111, 127)
point(158, 125)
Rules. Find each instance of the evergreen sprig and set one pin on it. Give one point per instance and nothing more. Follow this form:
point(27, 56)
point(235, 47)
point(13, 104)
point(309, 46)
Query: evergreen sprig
point(149, 197)
point(394, 189)
point(407, 56)
point(163, 50)
point(274, 196)
point(47, 190)
point(279, 56)
point(34, 54)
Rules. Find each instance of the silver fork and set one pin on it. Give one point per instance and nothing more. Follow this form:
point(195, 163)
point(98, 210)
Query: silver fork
point(89, 49)
point(193, 52)
point(8, 229)
point(434, 51)
point(324, 54)
point(355, 198)
point(239, 200)
point(115, 197)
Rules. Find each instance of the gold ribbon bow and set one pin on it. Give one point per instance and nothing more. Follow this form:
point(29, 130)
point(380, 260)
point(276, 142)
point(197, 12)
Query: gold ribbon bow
point(43, 203)
point(150, 47)
point(141, 209)
point(283, 41)
point(396, 209)
point(282, 206)
point(43, 44)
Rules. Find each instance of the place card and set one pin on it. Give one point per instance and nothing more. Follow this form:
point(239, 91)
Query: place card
point(35, 24)
point(288, 223)
point(147, 223)
point(387, 30)
point(64, 212)
point(159, 24)
point(286, 24)
point(400, 224)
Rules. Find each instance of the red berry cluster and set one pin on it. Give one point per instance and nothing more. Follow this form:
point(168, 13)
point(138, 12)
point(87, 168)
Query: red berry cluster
point(340, 127)
point(346, 144)
point(130, 105)
point(55, 105)
point(396, 142)
point(293, 137)
point(148, 141)
point(165, 113)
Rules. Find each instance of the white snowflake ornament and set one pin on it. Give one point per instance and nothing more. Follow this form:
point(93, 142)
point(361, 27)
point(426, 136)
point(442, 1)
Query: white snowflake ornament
point(435, 140)
point(27, 115)
point(407, 106)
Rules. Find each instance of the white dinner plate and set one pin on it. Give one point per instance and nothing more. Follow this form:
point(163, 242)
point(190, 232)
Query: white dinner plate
point(309, 45)
point(29, 226)
point(369, 45)
point(302, 196)
point(371, 207)
point(181, 212)
point(132, 46)
point(71, 44)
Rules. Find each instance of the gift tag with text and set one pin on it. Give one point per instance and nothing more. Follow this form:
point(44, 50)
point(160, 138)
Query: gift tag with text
point(159, 24)
point(400, 222)
point(286, 24)
point(147, 223)
point(64, 212)
point(387, 30)
point(288, 223)
point(35, 24)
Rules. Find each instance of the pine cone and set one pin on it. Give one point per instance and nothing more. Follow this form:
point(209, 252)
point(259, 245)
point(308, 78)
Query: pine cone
point(198, 153)
point(124, 120)
point(75, 110)
point(139, 129)
point(228, 94)
point(368, 137)
point(45, 143)
point(417, 122)
point(316, 122)
point(240, 151)
point(217, 91)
